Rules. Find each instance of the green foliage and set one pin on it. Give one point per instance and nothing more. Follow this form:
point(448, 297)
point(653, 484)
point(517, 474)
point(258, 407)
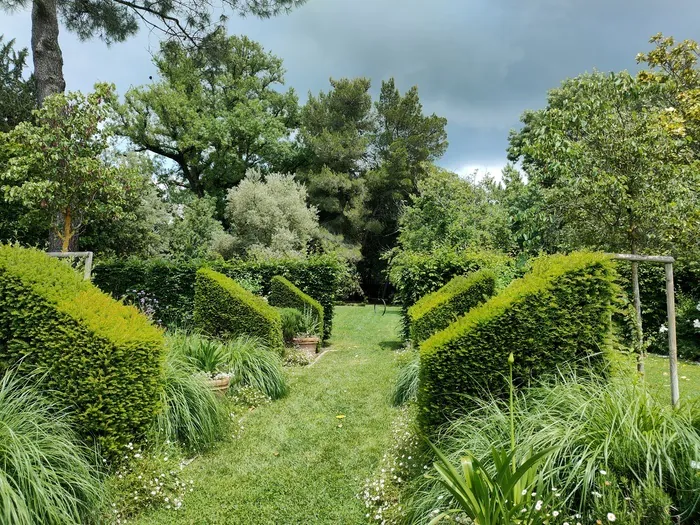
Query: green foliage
point(269, 217)
point(46, 474)
point(406, 386)
point(54, 163)
point(252, 363)
point(17, 98)
point(194, 233)
point(437, 310)
point(203, 353)
point(415, 274)
point(504, 497)
point(213, 130)
point(99, 357)
point(619, 448)
point(224, 309)
point(559, 314)
point(451, 211)
point(192, 416)
point(291, 320)
point(171, 283)
point(284, 293)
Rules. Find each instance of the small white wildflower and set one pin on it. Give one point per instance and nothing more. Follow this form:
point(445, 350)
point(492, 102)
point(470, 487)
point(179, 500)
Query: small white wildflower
point(663, 329)
point(555, 513)
point(611, 516)
point(603, 472)
point(696, 323)
point(538, 505)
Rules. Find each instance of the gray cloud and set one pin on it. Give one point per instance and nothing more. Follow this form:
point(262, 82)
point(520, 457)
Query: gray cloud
point(480, 63)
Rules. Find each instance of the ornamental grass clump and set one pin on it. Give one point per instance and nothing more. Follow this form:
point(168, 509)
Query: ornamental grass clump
point(192, 416)
point(46, 475)
point(616, 449)
point(250, 362)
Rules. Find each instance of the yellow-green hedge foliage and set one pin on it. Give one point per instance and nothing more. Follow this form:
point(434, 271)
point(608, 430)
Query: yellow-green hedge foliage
point(98, 357)
point(437, 310)
point(284, 294)
point(225, 309)
point(559, 314)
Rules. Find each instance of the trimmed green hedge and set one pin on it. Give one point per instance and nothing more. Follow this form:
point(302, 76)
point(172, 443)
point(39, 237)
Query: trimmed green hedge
point(437, 310)
point(283, 293)
point(98, 357)
point(416, 274)
point(171, 283)
point(223, 308)
point(558, 314)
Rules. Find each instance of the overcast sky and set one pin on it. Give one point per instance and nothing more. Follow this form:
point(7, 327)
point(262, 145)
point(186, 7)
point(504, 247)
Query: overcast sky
point(480, 63)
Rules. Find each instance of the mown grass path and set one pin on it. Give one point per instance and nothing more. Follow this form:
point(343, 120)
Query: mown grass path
point(293, 463)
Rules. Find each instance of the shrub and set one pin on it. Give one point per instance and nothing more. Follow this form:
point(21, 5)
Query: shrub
point(437, 310)
point(558, 313)
point(285, 293)
point(224, 309)
point(192, 416)
point(406, 387)
point(101, 358)
point(613, 441)
point(416, 274)
point(291, 321)
point(171, 283)
point(252, 364)
point(46, 475)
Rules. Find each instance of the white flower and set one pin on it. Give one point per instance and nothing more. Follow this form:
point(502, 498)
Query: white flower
point(611, 516)
point(538, 505)
point(555, 513)
point(663, 329)
point(603, 472)
point(696, 323)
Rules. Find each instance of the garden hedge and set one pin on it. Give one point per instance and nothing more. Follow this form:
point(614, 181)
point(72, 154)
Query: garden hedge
point(284, 294)
point(416, 274)
point(223, 308)
point(558, 314)
point(170, 284)
point(96, 356)
point(437, 310)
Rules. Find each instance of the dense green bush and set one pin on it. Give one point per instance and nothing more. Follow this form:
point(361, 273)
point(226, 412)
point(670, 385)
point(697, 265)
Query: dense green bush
point(46, 475)
point(99, 357)
point(284, 293)
point(437, 310)
point(559, 313)
point(616, 448)
point(171, 283)
point(291, 321)
point(224, 309)
point(416, 274)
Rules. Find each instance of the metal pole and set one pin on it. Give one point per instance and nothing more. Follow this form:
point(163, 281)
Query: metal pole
point(672, 350)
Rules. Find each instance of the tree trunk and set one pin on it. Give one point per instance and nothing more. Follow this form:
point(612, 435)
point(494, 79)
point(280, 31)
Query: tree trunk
point(48, 60)
point(638, 317)
point(48, 73)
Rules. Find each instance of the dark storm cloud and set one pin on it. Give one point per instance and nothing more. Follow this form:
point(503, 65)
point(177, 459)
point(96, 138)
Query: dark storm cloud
point(480, 63)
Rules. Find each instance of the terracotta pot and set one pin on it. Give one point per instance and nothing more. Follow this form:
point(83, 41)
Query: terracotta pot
point(308, 345)
point(220, 385)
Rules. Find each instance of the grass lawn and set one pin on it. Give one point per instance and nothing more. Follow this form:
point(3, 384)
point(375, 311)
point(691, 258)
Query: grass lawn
point(295, 461)
point(657, 375)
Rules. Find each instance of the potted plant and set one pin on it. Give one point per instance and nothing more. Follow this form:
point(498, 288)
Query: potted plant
point(208, 357)
point(307, 339)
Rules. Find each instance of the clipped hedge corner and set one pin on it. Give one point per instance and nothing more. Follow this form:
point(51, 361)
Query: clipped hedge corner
point(558, 314)
point(436, 311)
point(284, 294)
point(225, 309)
point(96, 356)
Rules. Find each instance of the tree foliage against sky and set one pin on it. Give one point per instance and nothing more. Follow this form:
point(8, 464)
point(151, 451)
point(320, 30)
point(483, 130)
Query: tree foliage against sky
point(216, 112)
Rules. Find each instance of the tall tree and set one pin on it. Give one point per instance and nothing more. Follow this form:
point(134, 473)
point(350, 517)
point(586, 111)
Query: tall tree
point(216, 112)
point(117, 20)
point(55, 165)
point(16, 90)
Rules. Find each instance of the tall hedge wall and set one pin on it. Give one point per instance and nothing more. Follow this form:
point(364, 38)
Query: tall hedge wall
point(437, 310)
point(223, 308)
point(100, 358)
point(171, 283)
point(285, 294)
point(559, 313)
point(416, 274)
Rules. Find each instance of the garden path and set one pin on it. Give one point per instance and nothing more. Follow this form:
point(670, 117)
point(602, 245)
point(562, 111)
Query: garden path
point(296, 461)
